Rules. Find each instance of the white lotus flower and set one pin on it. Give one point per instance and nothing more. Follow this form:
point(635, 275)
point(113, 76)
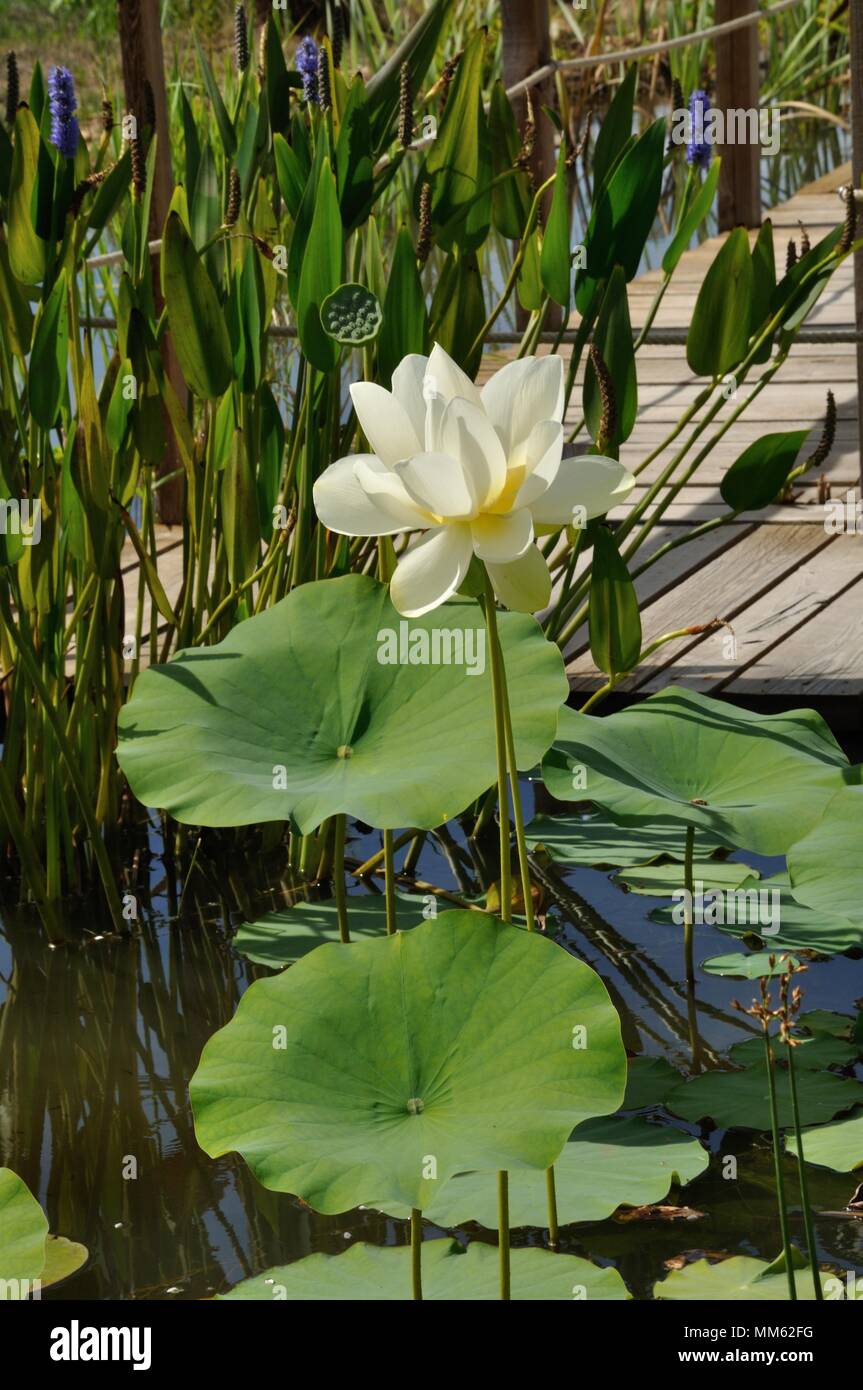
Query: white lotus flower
point(475, 471)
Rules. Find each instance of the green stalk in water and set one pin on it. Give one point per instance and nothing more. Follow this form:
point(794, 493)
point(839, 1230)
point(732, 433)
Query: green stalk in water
point(790, 1009)
point(416, 1254)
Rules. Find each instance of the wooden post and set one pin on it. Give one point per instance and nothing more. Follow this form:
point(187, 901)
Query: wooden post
point(141, 51)
point(737, 87)
point(527, 47)
point(857, 178)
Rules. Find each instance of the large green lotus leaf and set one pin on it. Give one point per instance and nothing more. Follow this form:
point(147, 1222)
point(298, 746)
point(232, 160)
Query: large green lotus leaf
point(300, 687)
point(282, 937)
point(750, 780)
point(812, 1053)
point(661, 880)
point(738, 1280)
point(740, 1099)
point(648, 1081)
point(367, 1273)
point(839, 1145)
point(597, 841)
point(826, 1021)
point(376, 1070)
point(799, 928)
point(23, 1230)
point(63, 1258)
point(608, 1163)
point(826, 865)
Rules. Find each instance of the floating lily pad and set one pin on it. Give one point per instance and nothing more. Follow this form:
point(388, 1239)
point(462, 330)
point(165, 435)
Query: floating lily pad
point(799, 928)
point(648, 1081)
point(63, 1258)
point(608, 1163)
point(352, 315)
point(662, 880)
point(293, 714)
point(838, 1145)
point(740, 1099)
point(742, 967)
point(749, 780)
point(740, 1279)
point(280, 938)
point(812, 1053)
point(371, 1273)
point(377, 1070)
point(826, 1021)
point(826, 865)
point(23, 1230)
point(598, 841)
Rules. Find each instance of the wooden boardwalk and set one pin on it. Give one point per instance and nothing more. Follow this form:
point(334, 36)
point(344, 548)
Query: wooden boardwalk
point(791, 592)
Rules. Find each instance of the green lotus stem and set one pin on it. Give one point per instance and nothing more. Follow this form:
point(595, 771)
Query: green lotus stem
point(689, 885)
point(413, 854)
point(777, 1167)
point(31, 867)
point(373, 863)
point(484, 814)
point(339, 878)
point(551, 1194)
point(808, 1222)
point(389, 883)
point(416, 1254)
point(503, 1234)
point(498, 699)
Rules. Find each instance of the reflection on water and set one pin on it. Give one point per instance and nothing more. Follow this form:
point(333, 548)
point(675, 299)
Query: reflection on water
point(98, 1040)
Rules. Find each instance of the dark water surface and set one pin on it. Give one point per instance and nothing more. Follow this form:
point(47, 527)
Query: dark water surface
point(98, 1041)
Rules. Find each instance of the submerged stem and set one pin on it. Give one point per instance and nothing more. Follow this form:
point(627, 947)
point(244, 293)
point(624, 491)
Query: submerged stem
point(808, 1223)
point(777, 1168)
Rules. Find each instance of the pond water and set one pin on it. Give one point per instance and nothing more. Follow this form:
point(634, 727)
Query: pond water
point(98, 1040)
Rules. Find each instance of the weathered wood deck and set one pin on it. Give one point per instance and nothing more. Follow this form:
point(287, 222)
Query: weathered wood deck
point(791, 592)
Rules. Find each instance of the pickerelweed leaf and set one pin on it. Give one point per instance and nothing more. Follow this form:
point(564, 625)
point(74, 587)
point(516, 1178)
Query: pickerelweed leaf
point(719, 329)
point(27, 249)
point(608, 1163)
point(826, 865)
point(758, 475)
point(613, 336)
point(369, 1273)
point(738, 1280)
point(613, 618)
point(458, 164)
point(405, 317)
point(555, 263)
point(49, 361)
point(838, 1145)
point(14, 306)
point(599, 842)
point(321, 272)
point(648, 1081)
point(280, 938)
point(510, 198)
point(23, 1232)
point(312, 708)
point(750, 780)
point(624, 209)
point(195, 316)
point(417, 49)
point(616, 128)
point(459, 1039)
point(692, 218)
point(740, 1099)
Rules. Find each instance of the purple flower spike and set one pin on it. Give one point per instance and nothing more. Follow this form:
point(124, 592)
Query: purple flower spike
point(63, 105)
point(698, 152)
point(307, 67)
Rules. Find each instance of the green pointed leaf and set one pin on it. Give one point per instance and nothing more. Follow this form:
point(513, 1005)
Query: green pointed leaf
point(719, 330)
point(738, 1280)
point(385, 1059)
point(367, 1273)
point(223, 120)
point(417, 49)
point(23, 1231)
point(615, 130)
point(458, 164)
point(405, 325)
point(555, 264)
point(187, 743)
point(195, 316)
point(290, 173)
point(625, 208)
point(750, 780)
point(458, 311)
point(529, 286)
point(49, 361)
point(692, 218)
point(14, 307)
point(763, 287)
point(321, 273)
point(239, 504)
point(63, 1258)
point(613, 618)
point(511, 198)
point(613, 336)
point(758, 475)
point(354, 159)
point(27, 250)
point(608, 1163)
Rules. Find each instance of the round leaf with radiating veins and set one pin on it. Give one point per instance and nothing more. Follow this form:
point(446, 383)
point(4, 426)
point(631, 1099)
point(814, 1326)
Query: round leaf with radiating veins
point(826, 865)
point(23, 1230)
point(648, 1081)
point(331, 702)
point(371, 1273)
point(375, 1071)
point(597, 840)
point(280, 938)
point(750, 780)
point(608, 1163)
point(741, 1099)
point(738, 1280)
